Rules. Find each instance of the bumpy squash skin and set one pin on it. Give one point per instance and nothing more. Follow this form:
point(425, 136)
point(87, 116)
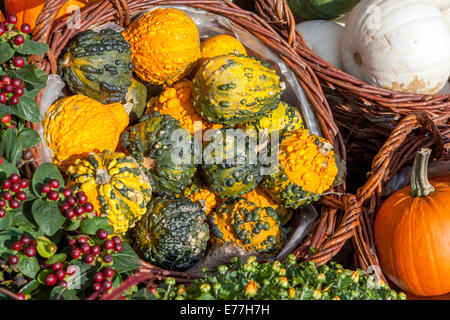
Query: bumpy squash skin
point(247, 225)
point(98, 65)
point(220, 45)
point(173, 234)
point(177, 101)
point(77, 125)
point(116, 186)
point(232, 89)
point(150, 142)
point(203, 196)
point(136, 100)
point(233, 179)
point(165, 45)
point(307, 168)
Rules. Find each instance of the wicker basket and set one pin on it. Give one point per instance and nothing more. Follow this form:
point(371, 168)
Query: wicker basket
point(365, 114)
point(338, 220)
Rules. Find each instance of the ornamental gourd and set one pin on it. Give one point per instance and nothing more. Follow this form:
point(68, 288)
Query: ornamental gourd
point(136, 100)
point(164, 149)
point(307, 168)
point(98, 65)
point(172, 234)
point(202, 196)
point(116, 186)
point(232, 89)
point(77, 125)
point(165, 45)
point(320, 9)
point(398, 45)
point(243, 223)
point(230, 167)
point(412, 233)
point(220, 45)
point(177, 101)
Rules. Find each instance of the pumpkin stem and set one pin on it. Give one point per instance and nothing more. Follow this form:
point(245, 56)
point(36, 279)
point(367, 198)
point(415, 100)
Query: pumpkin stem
point(420, 186)
point(102, 176)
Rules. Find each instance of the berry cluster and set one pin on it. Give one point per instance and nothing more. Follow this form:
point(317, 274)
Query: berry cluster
point(10, 92)
point(26, 245)
point(102, 280)
point(58, 274)
point(73, 206)
point(14, 193)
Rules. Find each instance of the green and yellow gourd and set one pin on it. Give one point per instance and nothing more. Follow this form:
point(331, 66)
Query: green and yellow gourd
point(98, 65)
point(230, 168)
point(164, 149)
point(232, 89)
point(115, 185)
point(307, 168)
point(136, 100)
point(245, 224)
point(173, 234)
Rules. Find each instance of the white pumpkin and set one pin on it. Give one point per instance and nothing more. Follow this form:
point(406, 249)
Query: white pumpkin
point(402, 45)
point(446, 15)
point(441, 4)
point(324, 38)
point(445, 89)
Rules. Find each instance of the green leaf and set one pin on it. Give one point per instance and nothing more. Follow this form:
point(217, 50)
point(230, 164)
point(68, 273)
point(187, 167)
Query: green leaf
point(143, 294)
point(60, 257)
point(126, 260)
point(30, 75)
point(84, 278)
point(45, 247)
point(6, 51)
point(28, 266)
point(32, 47)
point(61, 293)
point(90, 226)
point(44, 173)
point(7, 237)
point(29, 287)
point(5, 222)
point(25, 218)
point(7, 169)
point(48, 216)
point(70, 225)
point(11, 148)
point(29, 138)
point(42, 275)
point(28, 110)
point(5, 109)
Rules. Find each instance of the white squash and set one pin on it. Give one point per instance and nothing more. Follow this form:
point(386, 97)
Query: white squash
point(445, 89)
point(446, 15)
point(324, 38)
point(441, 4)
point(402, 45)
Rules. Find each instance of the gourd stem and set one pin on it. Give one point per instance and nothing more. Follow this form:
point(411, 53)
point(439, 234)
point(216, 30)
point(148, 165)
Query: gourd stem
point(420, 186)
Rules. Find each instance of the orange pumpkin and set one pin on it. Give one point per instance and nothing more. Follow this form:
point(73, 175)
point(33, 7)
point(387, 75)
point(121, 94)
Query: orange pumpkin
point(28, 11)
point(412, 233)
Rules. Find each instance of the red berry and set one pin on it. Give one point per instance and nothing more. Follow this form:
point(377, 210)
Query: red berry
point(118, 247)
point(45, 188)
point(22, 196)
point(60, 274)
point(108, 245)
point(30, 251)
point(12, 19)
point(108, 272)
point(72, 242)
point(1, 160)
point(82, 240)
point(53, 195)
point(16, 245)
point(102, 234)
point(79, 211)
point(2, 213)
point(54, 183)
point(44, 265)
point(71, 270)
point(96, 286)
point(19, 92)
point(18, 62)
point(14, 204)
point(3, 97)
point(89, 259)
point(70, 214)
point(16, 82)
point(14, 178)
point(57, 266)
point(6, 119)
point(24, 183)
point(20, 296)
point(14, 100)
point(96, 250)
point(81, 196)
point(8, 88)
point(15, 187)
point(67, 193)
point(107, 258)
point(98, 277)
point(88, 207)
point(75, 253)
point(62, 283)
point(71, 200)
point(6, 80)
point(13, 260)
point(2, 30)
point(116, 240)
point(19, 39)
point(7, 196)
point(25, 28)
point(50, 280)
point(6, 184)
point(106, 284)
point(64, 207)
point(2, 203)
point(85, 248)
point(25, 239)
